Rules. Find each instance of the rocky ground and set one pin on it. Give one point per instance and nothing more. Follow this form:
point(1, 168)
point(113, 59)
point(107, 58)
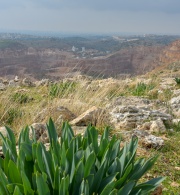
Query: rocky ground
point(148, 108)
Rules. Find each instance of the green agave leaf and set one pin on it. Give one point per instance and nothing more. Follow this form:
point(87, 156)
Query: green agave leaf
point(52, 131)
point(107, 180)
point(124, 178)
point(39, 158)
point(11, 187)
point(42, 187)
point(48, 164)
point(26, 184)
point(84, 188)
point(93, 133)
point(17, 191)
point(97, 180)
point(115, 150)
point(108, 188)
point(148, 186)
point(105, 135)
point(9, 146)
point(113, 192)
point(143, 169)
point(3, 183)
point(132, 151)
point(126, 190)
point(13, 173)
point(89, 163)
point(122, 159)
point(6, 162)
point(27, 148)
point(78, 177)
point(10, 135)
point(57, 179)
point(64, 185)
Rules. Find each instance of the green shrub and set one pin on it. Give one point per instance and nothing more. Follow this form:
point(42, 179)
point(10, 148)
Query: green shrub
point(12, 114)
point(20, 98)
point(61, 89)
point(177, 80)
point(72, 165)
point(176, 126)
point(142, 89)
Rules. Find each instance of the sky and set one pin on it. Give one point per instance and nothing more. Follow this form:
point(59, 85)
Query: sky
point(91, 16)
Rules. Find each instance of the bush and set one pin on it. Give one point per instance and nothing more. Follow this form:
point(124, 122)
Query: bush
point(20, 98)
point(12, 114)
point(61, 89)
point(72, 165)
point(142, 89)
point(177, 80)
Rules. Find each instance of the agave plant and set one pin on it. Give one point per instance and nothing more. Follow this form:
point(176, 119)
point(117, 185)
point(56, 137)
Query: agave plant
point(73, 165)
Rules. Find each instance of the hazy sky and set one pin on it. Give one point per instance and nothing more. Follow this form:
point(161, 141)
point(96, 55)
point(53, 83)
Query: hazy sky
point(143, 16)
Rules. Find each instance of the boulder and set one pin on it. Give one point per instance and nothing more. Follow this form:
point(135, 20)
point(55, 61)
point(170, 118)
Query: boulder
point(40, 132)
point(158, 126)
point(64, 115)
point(89, 117)
point(59, 114)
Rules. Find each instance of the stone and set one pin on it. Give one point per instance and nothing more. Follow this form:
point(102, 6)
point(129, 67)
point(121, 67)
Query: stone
point(158, 126)
point(157, 191)
point(27, 82)
point(40, 132)
point(12, 83)
point(16, 79)
point(3, 131)
point(64, 115)
point(129, 117)
point(43, 82)
point(89, 117)
point(152, 141)
point(2, 87)
point(59, 114)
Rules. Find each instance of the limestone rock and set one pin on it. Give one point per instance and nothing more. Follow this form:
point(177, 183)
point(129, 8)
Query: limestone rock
point(175, 105)
point(40, 132)
point(16, 79)
point(43, 82)
point(12, 83)
point(27, 82)
point(129, 117)
point(158, 126)
point(3, 131)
point(88, 117)
point(152, 141)
point(64, 115)
point(2, 87)
point(59, 114)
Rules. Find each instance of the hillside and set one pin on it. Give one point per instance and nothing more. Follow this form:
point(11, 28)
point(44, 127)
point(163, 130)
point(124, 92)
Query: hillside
point(38, 57)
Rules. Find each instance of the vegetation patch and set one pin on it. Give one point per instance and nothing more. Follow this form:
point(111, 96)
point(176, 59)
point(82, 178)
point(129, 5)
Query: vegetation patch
point(74, 165)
